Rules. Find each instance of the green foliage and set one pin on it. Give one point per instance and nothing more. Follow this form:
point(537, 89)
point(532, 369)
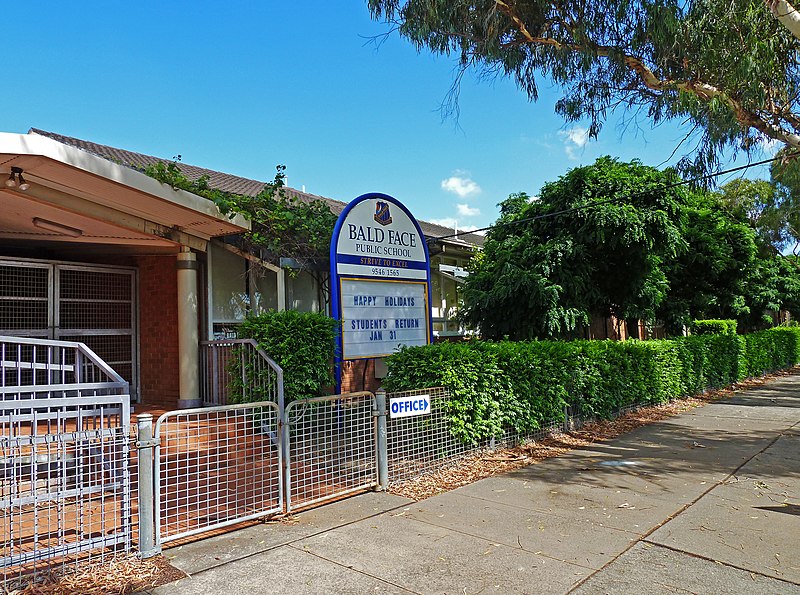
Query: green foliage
point(472, 376)
point(593, 242)
point(764, 205)
point(714, 327)
point(302, 343)
point(619, 239)
point(784, 211)
point(282, 224)
point(712, 278)
point(525, 385)
point(726, 70)
point(772, 349)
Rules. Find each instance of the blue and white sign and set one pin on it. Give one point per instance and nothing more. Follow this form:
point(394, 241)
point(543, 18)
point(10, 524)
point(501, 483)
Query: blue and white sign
point(379, 238)
point(380, 278)
point(409, 406)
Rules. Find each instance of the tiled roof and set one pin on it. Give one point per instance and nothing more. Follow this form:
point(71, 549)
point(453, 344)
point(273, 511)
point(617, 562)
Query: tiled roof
point(229, 182)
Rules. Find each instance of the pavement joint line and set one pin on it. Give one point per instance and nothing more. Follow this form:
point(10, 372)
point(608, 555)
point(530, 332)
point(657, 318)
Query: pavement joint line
point(518, 546)
point(291, 542)
point(688, 505)
point(723, 563)
point(354, 569)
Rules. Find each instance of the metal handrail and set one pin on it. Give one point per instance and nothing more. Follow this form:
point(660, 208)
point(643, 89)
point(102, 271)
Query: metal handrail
point(108, 379)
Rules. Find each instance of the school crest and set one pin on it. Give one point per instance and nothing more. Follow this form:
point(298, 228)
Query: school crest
point(382, 214)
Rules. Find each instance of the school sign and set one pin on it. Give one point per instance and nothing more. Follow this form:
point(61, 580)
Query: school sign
point(380, 278)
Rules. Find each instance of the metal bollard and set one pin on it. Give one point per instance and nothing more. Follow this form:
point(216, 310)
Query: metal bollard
point(382, 455)
point(144, 456)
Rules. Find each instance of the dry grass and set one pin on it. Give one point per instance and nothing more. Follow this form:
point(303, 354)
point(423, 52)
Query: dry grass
point(498, 461)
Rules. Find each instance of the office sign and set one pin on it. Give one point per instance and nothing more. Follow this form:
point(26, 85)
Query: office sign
point(409, 406)
point(380, 278)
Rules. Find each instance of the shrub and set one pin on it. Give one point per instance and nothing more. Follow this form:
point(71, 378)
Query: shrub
point(302, 343)
point(714, 327)
point(471, 374)
point(523, 385)
point(771, 350)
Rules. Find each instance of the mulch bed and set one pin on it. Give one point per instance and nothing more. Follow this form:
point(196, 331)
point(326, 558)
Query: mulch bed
point(121, 576)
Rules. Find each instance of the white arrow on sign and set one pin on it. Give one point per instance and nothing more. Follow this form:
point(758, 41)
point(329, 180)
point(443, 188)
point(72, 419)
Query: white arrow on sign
point(409, 406)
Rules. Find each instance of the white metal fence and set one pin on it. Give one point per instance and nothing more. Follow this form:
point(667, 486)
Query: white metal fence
point(65, 490)
point(64, 452)
point(423, 443)
point(237, 371)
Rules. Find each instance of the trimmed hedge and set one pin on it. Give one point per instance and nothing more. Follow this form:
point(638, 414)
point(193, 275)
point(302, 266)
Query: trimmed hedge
point(714, 327)
point(524, 385)
point(302, 343)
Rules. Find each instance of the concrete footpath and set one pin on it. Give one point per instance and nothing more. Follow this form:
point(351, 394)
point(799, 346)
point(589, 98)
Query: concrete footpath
point(704, 502)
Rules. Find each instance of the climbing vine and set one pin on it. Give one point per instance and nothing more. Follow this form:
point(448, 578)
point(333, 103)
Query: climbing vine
point(282, 225)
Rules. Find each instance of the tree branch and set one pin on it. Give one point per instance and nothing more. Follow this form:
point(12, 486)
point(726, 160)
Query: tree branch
point(747, 118)
point(786, 14)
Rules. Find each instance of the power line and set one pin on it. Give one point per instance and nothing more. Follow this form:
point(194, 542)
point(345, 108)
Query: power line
point(609, 200)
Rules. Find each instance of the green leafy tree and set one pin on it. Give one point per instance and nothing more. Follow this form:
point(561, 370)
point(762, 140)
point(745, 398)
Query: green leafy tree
point(712, 278)
point(593, 242)
point(727, 69)
point(785, 174)
point(765, 207)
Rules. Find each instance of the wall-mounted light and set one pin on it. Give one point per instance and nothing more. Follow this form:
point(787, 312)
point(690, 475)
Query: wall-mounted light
point(15, 179)
point(66, 230)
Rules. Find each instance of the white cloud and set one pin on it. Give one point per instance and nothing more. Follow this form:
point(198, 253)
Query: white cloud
point(461, 185)
point(574, 138)
point(464, 210)
point(452, 223)
point(770, 146)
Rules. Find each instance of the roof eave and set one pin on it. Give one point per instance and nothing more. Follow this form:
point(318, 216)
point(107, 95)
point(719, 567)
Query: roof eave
point(40, 146)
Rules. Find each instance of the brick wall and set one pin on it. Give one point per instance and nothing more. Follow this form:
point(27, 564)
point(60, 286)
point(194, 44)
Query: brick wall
point(158, 330)
point(359, 375)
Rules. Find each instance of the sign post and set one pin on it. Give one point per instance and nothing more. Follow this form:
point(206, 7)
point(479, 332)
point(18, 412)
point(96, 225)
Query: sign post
point(380, 280)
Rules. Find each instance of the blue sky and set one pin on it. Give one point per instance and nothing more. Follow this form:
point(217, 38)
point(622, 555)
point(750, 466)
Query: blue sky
point(243, 86)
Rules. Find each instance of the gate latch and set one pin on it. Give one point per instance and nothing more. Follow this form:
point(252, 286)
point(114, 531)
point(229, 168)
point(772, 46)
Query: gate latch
point(147, 443)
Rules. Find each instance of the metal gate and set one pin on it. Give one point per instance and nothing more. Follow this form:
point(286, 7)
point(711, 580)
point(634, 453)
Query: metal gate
point(219, 466)
point(65, 490)
point(331, 448)
point(95, 305)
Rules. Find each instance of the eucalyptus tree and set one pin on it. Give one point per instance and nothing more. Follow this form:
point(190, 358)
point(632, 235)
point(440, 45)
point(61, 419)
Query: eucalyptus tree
point(727, 69)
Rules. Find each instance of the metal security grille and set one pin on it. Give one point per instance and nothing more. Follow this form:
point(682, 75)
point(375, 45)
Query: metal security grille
point(216, 467)
point(97, 306)
point(422, 444)
point(331, 448)
point(65, 489)
point(91, 304)
point(25, 299)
